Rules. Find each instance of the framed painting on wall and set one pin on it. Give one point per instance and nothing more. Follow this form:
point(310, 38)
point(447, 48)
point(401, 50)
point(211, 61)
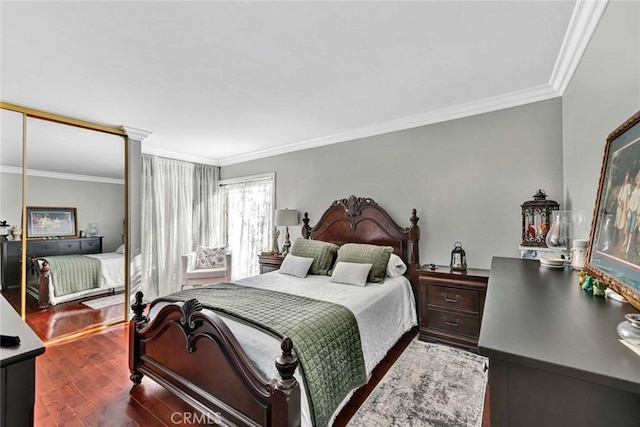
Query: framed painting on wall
point(43, 222)
point(613, 255)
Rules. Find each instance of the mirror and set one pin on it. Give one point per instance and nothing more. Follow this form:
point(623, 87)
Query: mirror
point(73, 215)
point(11, 138)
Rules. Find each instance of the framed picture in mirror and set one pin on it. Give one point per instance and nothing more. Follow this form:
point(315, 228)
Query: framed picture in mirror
point(43, 222)
point(613, 254)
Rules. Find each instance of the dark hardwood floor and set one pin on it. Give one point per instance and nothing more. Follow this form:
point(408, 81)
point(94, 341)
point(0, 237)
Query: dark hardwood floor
point(65, 319)
point(85, 382)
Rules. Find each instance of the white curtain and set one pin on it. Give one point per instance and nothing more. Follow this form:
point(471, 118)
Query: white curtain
point(249, 210)
point(179, 211)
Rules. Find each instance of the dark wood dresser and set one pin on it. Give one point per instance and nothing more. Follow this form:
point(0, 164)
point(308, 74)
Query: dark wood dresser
point(554, 354)
point(11, 253)
point(269, 263)
point(451, 304)
point(18, 365)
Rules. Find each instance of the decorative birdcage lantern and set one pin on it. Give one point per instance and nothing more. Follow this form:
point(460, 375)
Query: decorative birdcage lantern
point(458, 258)
point(536, 219)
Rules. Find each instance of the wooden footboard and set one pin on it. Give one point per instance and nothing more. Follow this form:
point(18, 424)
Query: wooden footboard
point(197, 357)
point(38, 281)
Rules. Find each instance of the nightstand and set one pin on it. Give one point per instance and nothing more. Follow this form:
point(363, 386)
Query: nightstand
point(269, 263)
point(451, 304)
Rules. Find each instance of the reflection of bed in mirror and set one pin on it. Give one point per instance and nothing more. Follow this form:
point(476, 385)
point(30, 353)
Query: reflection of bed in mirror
point(58, 279)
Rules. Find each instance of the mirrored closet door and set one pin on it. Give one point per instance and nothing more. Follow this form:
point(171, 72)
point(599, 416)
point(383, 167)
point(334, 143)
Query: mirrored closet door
point(74, 227)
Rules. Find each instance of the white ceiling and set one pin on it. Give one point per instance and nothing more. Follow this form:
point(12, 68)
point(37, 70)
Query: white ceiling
point(222, 82)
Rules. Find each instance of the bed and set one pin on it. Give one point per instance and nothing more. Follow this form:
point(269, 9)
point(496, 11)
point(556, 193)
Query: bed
point(107, 272)
point(225, 368)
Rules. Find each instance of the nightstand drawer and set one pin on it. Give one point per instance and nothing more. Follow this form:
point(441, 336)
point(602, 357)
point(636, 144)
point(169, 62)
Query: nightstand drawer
point(452, 298)
point(264, 268)
point(269, 263)
point(455, 323)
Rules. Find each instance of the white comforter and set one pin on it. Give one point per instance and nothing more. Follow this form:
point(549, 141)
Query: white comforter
point(384, 312)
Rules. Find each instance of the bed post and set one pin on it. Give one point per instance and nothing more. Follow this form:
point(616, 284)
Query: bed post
point(43, 284)
point(306, 230)
point(414, 238)
point(137, 321)
point(286, 365)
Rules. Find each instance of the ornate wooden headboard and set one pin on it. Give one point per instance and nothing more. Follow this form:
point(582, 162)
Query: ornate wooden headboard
point(362, 220)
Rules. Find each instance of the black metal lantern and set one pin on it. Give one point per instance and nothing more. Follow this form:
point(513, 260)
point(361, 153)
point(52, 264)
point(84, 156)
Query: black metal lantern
point(458, 258)
point(536, 218)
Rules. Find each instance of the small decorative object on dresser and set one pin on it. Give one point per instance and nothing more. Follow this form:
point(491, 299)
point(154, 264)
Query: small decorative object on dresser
point(269, 262)
point(536, 217)
point(92, 229)
point(3, 229)
point(458, 258)
point(629, 330)
point(451, 304)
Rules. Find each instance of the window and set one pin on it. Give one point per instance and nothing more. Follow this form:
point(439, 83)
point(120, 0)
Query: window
point(248, 206)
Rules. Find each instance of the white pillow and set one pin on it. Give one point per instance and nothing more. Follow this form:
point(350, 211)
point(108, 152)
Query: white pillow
point(295, 265)
point(395, 267)
point(350, 273)
point(120, 249)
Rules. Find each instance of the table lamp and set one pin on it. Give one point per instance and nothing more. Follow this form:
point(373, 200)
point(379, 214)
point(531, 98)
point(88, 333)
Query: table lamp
point(285, 218)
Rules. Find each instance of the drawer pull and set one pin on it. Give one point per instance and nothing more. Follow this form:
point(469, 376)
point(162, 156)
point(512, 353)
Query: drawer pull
point(455, 324)
point(454, 300)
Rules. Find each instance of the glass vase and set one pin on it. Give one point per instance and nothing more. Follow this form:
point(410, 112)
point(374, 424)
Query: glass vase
point(629, 330)
point(92, 229)
point(559, 235)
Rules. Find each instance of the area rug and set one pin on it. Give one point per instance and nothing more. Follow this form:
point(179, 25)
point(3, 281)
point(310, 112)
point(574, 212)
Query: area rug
point(429, 385)
point(105, 301)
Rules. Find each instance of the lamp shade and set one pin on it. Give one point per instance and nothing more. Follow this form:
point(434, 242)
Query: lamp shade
point(286, 217)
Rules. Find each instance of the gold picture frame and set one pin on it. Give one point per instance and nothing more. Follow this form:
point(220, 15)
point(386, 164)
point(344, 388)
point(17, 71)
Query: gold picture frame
point(46, 222)
point(613, 254)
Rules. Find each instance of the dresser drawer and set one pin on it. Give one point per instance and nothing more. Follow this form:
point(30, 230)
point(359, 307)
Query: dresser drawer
point(455, 323)
point(68, 248)
point(452, 298)
point(45, 248)
point(14, 250)
point(90, 246)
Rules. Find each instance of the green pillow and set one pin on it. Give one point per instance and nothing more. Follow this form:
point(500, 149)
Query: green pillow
point(378, 256)
point(321, 252)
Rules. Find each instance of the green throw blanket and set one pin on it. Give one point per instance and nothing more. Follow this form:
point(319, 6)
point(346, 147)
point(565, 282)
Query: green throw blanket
point(325, 337)
point(74, 273)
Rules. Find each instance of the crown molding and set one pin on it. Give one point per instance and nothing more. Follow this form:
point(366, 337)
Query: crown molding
point(179, 156)
point(584, 21)
point(136, 134)
point(60, 175)
point(508, 100)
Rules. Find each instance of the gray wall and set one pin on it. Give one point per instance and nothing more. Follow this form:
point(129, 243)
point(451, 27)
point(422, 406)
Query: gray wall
point(467, 178)
point(95, 202)
point(604, 92)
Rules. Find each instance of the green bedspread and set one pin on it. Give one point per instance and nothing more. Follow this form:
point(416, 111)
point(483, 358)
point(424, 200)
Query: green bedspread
point(325, 337)
point(74, 273)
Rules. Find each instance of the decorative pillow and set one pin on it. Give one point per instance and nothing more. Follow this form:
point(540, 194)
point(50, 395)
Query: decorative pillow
point(207, 258)
point(295, 265)
point(120, 249)
point(350, 273)
point(378, 256)
point(396, 266)
point(321, 252)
